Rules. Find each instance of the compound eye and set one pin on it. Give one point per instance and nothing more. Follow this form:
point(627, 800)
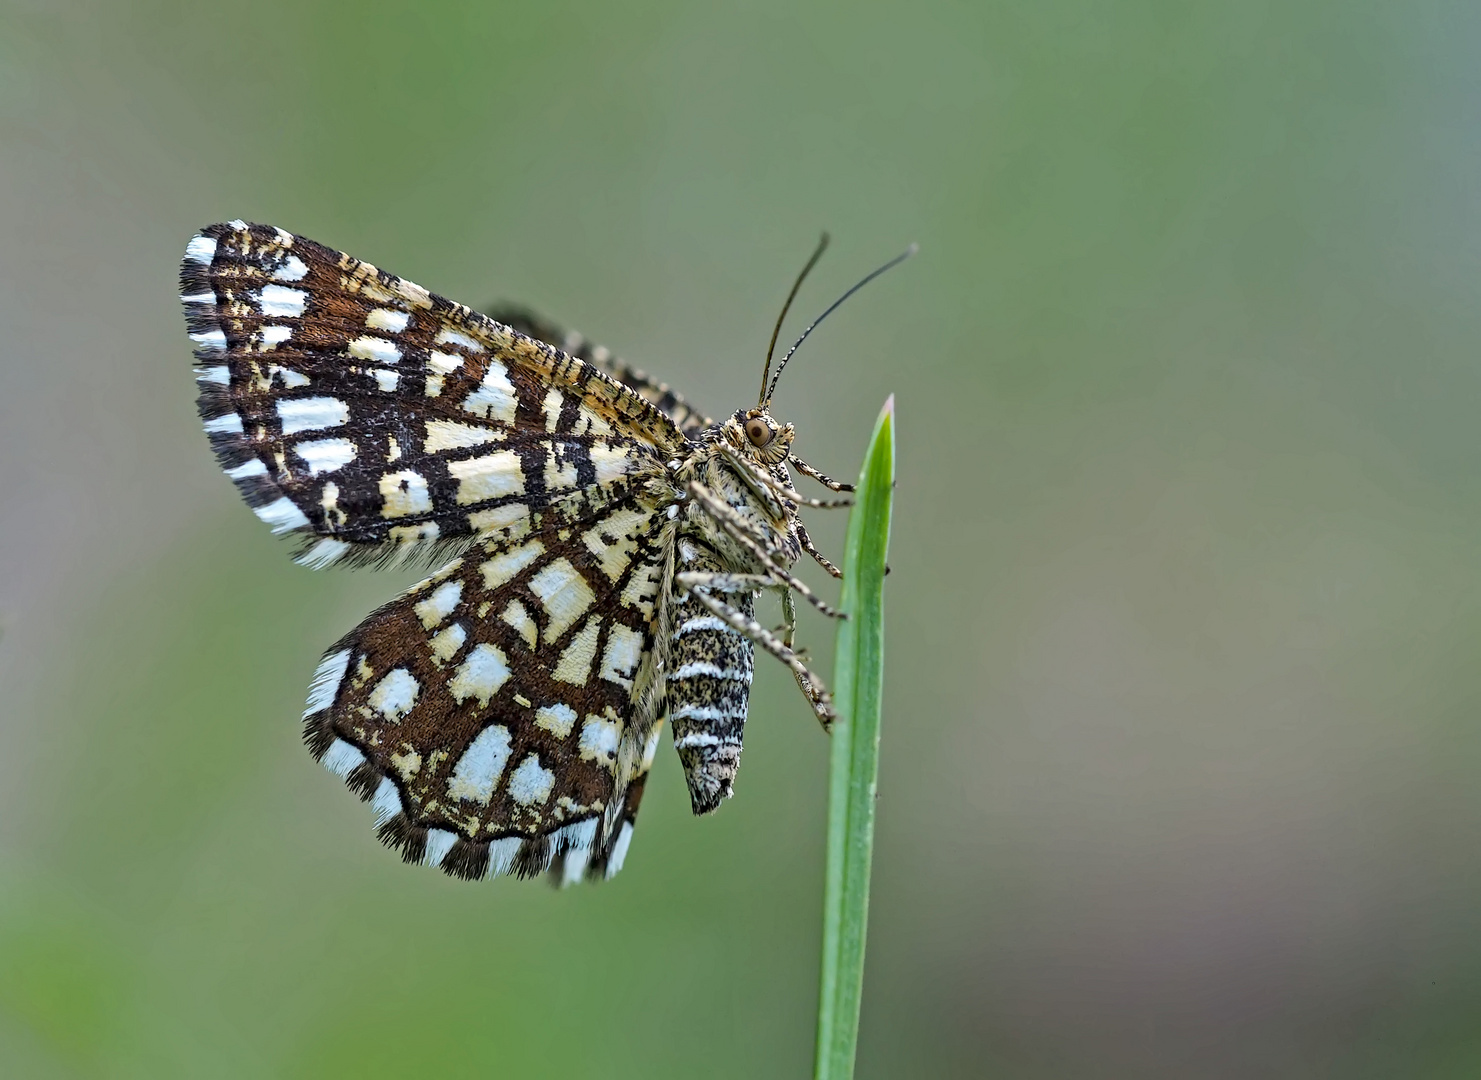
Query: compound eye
point(758, 432)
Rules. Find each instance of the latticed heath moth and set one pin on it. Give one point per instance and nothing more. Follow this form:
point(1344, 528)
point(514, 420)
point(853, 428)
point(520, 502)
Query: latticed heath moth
point(599, 543)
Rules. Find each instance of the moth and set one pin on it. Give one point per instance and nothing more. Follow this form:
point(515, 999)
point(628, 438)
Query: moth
point(602, 546)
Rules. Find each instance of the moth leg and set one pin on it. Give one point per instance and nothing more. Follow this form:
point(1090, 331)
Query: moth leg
point(727, 583)
point(812, 686)
point(793, 495)
point(732, 522)
point(818, 557)
point(806, 680)
point(831, 485)
point(761, 483)
point(740, 530)
point(782, 490)
point(789, 619)
point(734, 583)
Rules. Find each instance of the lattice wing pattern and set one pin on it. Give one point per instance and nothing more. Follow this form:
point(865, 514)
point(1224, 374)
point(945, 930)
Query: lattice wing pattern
point(355, 407)
point(501, 714)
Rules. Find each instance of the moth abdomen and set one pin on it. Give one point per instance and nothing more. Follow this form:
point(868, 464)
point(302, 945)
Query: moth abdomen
point(709, 690)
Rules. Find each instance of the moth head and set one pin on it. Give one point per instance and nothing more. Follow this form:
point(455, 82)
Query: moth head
point(755, 433)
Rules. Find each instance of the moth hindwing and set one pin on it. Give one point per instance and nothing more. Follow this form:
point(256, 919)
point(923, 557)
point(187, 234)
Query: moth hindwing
point(604, 545)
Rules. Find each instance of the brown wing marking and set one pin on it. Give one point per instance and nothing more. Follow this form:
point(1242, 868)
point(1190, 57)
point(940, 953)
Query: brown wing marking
point(499, 715)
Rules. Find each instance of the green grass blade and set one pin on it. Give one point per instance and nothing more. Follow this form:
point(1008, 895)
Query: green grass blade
point(858, 682)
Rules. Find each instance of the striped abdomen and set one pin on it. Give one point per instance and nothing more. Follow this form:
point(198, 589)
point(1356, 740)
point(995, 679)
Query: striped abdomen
point(709, 684)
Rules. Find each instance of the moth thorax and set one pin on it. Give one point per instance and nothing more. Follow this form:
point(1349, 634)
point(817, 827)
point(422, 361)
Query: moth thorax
point(760, 517)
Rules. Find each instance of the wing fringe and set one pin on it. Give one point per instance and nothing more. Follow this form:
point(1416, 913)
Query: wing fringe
point(578, 851)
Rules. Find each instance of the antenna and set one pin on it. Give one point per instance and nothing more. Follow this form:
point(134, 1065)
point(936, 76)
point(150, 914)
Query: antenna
point(896, 261)
point(771, 348)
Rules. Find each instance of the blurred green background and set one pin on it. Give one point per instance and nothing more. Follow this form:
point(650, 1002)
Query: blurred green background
point(1181, 753)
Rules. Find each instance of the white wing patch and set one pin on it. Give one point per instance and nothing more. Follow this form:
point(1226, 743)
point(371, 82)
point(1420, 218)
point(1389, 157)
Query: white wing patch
point(480, 675)
point(565, 595)
point(531, 783)
point(325, 455)
point(281, 302)
point(494, 399)
point(478, 771)
point(308, 414)
point(395, 694)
